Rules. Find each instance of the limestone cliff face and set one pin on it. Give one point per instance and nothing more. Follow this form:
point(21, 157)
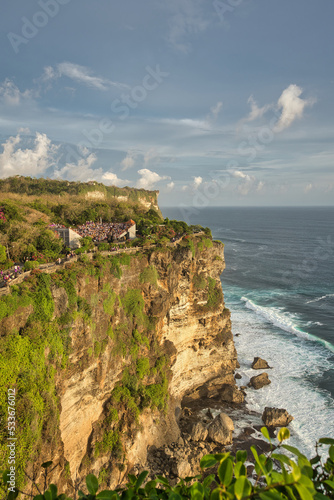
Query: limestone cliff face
point(148, 199)
point(183, 331)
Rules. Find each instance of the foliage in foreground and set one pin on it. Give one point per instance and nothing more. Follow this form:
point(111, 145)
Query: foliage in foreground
point(276, 477)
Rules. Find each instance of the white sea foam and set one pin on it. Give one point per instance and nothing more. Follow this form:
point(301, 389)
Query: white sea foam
point(297, 364)
point(320, 298)
point(285, 321)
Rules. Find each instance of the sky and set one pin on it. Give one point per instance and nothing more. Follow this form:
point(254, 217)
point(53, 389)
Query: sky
point(211, 102)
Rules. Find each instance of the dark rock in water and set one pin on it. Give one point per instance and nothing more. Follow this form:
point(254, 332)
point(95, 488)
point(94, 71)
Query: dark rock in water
point(260, 364)
point(276, 417)
point(259, 381)
point(220, 430)
point(231, 394)
point(237, 375)
point(199, 432)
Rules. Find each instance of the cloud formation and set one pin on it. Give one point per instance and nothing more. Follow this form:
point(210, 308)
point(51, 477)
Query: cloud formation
point(215, 110)
point(79, 74)
point(246, 182)
point(30, 161)
point(11, 95)
point(128, 161)
point(255, 111)
point(187, 20)
point(292, 106)
point(148, 179)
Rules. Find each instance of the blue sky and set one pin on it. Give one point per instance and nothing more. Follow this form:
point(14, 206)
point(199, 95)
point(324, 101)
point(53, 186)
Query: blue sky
point(222, 102)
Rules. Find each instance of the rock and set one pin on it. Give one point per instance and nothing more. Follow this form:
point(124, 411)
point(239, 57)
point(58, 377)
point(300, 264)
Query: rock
point(259, 381)
point(182, 468)
point(199, 432)
point(231, 394)
point(237, 376)
point(237, 364)
point(260, 364)
point(220, 430)
point(209, 414)
point(276, 417)
point(180, 441)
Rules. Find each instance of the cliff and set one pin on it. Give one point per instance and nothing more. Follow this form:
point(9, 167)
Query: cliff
point(90, 191)
point(116, 344)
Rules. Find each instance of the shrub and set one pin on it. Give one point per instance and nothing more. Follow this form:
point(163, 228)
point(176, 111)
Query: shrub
point(103, 246)
point(149, 275)
point(208, 243)
point(133, 303)
point(108, 304)
point(276, 477)
point(199, 282)
point(29, 265)
point(143, 367)
point(214, 294)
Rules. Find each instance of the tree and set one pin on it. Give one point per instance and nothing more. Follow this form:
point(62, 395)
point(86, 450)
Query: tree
point(3, 254)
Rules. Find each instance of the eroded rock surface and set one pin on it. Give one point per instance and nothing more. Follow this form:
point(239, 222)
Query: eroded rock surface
point(276, 417)
point(259, 381)
point(221, 429)
point(260, 364)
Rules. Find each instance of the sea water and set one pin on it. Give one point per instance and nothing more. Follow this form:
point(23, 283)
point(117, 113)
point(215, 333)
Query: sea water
point(279, 286)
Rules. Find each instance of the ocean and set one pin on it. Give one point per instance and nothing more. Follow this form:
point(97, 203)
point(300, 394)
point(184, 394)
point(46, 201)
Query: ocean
point(279, 285)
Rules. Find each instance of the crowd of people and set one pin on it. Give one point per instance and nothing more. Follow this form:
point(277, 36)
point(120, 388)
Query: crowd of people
point(56, 226)
point(106, 231)
point(9, 275)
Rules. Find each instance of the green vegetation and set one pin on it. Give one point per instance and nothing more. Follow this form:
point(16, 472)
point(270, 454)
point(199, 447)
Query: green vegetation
point(133, 303)
point(9, 304)
point(143, 367)
point(110, 443)
point(28, 363)
point(225, 476)
point(214, 294)
point(108, 303)
point(149, 275)
point(199, 282)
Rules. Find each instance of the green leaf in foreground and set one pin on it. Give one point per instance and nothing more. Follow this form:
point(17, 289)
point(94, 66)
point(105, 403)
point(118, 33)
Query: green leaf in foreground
point(208, 461)
point(92, 484)
point(283, 434)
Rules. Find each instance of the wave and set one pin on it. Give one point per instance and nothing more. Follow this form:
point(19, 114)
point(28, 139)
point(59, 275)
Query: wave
point(320, 298)
point(284, 321)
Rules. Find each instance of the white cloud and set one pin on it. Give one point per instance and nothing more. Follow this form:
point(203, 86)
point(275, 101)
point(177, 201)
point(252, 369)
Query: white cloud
point(111, 179)
point(186, 122)
point(128, 161)
point(170, 186)
point(79, 74)
point(215, 110)
point(246, 182)
point(290, 103)
point(255, 111)
point(11, 95)
point(148, 178)
point(308, 188)
point(197, 182)
point(29, 161)
point(80, 171)
point(194, 185)
point(292, 106)
point(187, 20)
point(151, 156)
point(83, 171)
